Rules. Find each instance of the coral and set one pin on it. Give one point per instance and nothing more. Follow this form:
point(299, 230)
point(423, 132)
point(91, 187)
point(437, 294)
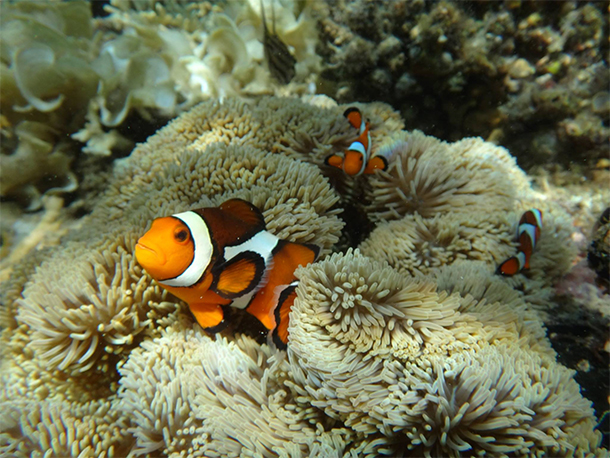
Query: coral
point(521, 73)
point(39, 163)
point(87, 80)
point(47, 82)
point(436, 357)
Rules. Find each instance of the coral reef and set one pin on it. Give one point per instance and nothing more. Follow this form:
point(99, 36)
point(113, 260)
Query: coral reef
point(382, 358)
point(526, 75)
point(70, 78)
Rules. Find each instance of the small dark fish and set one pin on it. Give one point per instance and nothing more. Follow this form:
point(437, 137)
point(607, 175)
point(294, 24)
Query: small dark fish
point(279, 60)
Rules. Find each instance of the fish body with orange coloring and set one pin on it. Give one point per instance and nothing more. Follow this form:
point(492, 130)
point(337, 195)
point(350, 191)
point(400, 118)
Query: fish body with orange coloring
point(357, 160)
point(528, 233)
point(221, 257)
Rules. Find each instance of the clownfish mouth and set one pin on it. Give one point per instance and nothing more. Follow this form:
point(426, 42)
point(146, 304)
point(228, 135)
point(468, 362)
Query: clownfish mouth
point(148, 256)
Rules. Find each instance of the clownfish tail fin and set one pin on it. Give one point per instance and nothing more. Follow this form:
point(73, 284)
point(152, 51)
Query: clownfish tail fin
point(334, 160)
point(376, 163)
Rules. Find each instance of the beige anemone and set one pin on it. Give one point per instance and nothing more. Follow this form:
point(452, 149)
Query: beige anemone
point(56, 427)
point(460, 382)
point(414, 245)
point(494, 300)
point(296, 200)
point(90, 300)
point(430, 177)
point(84, 307)
point(189, 394)
point(45, 412)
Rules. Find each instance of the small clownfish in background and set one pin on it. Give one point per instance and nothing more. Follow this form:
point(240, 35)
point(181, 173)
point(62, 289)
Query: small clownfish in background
point(528, 234)
point(221, 257)
point(357, 158)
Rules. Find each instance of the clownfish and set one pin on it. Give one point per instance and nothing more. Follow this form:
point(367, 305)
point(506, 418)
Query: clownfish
point(221, 257)
point(528, 233)
point(357, 158)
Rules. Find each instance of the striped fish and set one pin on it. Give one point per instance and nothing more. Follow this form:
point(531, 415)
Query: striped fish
point(218, 258)
point(279, 60)
point(528, 232)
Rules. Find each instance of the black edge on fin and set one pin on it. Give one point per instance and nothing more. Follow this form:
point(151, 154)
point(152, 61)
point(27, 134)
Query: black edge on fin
point(315, 248)
point(347, 112)
point(385, 161)
point(226, 310)
point(283, 296)
point(499, 269)
point(327, 159)
point(260, 268)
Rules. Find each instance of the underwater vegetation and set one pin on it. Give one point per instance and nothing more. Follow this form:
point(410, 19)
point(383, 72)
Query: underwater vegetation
point(410, 345)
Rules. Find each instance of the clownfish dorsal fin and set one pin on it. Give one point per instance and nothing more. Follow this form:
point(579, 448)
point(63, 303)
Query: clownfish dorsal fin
point(245, 211)
point(239, 276)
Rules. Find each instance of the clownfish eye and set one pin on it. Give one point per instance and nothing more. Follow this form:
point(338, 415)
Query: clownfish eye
point(181, 235)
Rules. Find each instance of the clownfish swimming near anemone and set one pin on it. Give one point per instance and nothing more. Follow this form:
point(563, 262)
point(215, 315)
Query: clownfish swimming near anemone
point(528, 233)
point(357, 158)
point(221, 257)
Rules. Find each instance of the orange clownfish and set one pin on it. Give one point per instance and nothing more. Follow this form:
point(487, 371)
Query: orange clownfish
point(357, 158)
point(222, 257)
point(528, 233)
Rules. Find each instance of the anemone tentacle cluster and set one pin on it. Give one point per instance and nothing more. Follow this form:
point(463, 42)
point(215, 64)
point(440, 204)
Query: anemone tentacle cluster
point(387, 342)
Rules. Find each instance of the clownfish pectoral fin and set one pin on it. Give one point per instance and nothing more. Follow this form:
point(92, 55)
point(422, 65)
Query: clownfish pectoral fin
point(245, 211)
point(334, 160)
point(376, 163)
point(513, 265)
point(209, 316)
point(354, 117)
point(282, 311)
point(240, 275)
